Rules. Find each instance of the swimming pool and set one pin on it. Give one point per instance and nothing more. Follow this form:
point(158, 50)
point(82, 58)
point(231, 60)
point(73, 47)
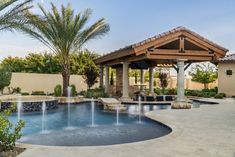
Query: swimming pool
point(60, 128)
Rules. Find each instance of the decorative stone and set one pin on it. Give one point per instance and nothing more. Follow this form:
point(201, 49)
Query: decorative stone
point(114, 107)
point(33, 106)
point(112, 104)
point(181, 105)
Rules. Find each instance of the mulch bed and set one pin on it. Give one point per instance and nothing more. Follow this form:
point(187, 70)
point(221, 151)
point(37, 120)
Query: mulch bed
point(12, 153)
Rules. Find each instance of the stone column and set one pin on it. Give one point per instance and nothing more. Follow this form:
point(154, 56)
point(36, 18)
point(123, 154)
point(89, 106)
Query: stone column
point(101, 76)
point(106, 79)
point(180, 81)
point(151, 81)
point(125, 79)
point(180, 102)
point(141, 79)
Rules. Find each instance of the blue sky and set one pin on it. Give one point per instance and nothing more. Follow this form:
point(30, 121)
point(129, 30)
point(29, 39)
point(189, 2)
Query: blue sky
point(135, 20)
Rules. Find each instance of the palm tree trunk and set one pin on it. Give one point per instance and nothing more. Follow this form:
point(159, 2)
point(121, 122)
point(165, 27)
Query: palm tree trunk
point(66, 78)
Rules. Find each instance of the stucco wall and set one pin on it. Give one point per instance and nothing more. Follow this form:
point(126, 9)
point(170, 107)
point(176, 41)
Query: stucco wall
point(29, 82)
point(226, 83)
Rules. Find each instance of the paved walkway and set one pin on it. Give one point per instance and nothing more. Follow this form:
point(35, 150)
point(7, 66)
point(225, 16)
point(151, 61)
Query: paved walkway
point(208, 131)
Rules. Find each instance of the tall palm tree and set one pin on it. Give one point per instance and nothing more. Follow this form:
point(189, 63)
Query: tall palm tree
point(64, 32)
point(12, 14)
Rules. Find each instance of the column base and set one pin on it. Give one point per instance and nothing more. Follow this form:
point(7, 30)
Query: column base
point(180, 105)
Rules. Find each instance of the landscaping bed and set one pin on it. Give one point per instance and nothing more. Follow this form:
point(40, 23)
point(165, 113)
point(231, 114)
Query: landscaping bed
point(12, 153)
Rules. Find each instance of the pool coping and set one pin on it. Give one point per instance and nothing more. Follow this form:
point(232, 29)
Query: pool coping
point(177, 132)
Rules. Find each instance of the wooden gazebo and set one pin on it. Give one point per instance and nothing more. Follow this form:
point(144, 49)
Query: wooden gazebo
point(178, 47)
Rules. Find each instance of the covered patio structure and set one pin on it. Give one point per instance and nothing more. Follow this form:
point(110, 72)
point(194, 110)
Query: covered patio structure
point(179, 47)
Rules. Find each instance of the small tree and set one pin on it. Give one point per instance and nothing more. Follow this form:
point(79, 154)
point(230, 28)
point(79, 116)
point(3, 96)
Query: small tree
point(163, 80)
point(5, 78)
point(204, 73)
point(111, 79)
point(8, 132)
point(91, 74)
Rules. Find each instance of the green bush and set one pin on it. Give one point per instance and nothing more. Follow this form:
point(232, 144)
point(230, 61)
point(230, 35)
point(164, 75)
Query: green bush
point(189, 92)
point(17, 90)
point(94, 93)
point(58, 90)
point(157, 91)
point(25, 93)
point(219, 96)
point(8, 132)
point(206, 93)
point(171, 91)
point(38, 93)
point(223, 94)
point(73, 90)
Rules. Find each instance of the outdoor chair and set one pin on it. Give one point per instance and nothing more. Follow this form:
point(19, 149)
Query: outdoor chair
point(159, 98)
point(168, 98)
point(149, 98)
point(137, 97)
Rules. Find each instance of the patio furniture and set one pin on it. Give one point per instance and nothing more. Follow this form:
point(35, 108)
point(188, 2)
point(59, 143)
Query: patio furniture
point(149, 98)
point(168, 98)
point(160, 98)
point(137, 97)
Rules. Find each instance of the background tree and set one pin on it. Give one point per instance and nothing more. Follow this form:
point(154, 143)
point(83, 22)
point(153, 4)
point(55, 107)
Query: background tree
point(12, 14)
point(163, 80)
point(5, 78)
point(15, 64)
point(91, 73)
point(111, 79)
point(204, 73)
point(64, 33)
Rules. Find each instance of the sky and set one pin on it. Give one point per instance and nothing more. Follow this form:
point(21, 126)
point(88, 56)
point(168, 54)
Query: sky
point(135, 20)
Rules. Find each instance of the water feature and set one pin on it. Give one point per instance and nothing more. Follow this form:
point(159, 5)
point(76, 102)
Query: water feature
point(69, 112)
point(106, 132)
point(92, 113)
point(117, 115)
point(19, 108)
point(140, 114)
point(43, 116)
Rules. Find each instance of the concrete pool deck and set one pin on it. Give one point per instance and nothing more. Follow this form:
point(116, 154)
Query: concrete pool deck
point(206, 131)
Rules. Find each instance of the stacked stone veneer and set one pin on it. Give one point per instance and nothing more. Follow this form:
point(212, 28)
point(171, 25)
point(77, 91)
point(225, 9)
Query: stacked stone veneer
point(33, 106)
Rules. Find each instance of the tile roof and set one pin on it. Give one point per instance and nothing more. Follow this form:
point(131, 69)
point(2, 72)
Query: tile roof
point(228, 58)
point(177, 29)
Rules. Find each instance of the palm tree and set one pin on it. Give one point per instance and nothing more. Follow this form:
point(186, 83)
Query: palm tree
point(64, 32)
point(11, 14)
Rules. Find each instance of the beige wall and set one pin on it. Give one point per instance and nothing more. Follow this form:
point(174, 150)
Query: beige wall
point(173, 83)
point(29, 82)
point(226, 83)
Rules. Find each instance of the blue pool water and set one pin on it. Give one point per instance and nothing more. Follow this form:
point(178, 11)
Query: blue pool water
point(80, 132)
point(80, 117)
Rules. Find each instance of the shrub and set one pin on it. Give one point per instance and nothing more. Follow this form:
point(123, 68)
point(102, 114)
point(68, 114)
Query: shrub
point(223, 94)
point(171, 91)
point(58, 90)
point(219, 96)
point(5, 77)
point(73, 90)
point(8, 132)
point(25, 93)
point(38, 93)
point(94, 93)
point(17, 90)
point(157, 91)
